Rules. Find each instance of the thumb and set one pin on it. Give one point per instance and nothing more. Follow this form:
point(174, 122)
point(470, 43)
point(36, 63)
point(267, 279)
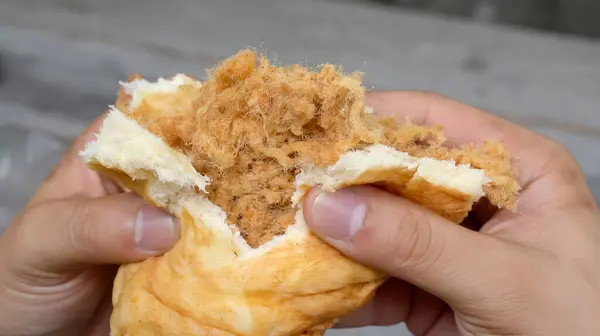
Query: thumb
point(116, 229)
point(403, 239)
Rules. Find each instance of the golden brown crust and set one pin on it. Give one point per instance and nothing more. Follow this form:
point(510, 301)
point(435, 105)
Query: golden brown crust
point(294, 289)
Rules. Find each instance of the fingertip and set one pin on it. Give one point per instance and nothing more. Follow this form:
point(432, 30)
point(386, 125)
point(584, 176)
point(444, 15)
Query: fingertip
point(155, 231)
point(308, 201)
point(139, 230)
point(337, 216)
point(103, 230)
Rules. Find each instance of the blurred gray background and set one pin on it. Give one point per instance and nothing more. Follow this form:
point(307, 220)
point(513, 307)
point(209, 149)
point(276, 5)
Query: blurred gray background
point(536, 62)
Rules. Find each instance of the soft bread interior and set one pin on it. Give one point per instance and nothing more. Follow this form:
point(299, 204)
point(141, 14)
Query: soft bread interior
point(437, 184)
point(123, 145)
point(140, 87)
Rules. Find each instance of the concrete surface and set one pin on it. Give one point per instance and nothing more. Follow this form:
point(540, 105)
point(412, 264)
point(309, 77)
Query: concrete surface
point(60, 62)
point(573, 17)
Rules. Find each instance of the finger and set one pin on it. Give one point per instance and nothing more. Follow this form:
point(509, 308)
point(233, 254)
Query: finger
point(390, 306)
point(100, 322)
point(445, 325)
point(424, 313)
point(465, 124)
point(115, 229)
point(480, 214)
point(410, 243)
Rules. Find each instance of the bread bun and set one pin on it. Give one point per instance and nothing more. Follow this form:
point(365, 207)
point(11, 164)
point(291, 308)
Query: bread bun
point(213, 281)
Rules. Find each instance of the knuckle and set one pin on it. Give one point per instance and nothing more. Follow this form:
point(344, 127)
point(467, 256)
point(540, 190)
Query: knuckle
point(80, 234)
point(411, 242)
point(432, 99)
point(566, 166)
point(561, 153)
point(431, 95)
point(21, 239)
point(27, 226)
point(23, 231)
point(561, 164)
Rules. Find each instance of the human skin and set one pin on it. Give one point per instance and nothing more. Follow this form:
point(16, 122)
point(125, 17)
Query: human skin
point(530, 272)
point(58, 257)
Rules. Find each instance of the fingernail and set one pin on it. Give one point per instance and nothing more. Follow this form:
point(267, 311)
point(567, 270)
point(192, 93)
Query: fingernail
point(339, 215)
point(155, 230)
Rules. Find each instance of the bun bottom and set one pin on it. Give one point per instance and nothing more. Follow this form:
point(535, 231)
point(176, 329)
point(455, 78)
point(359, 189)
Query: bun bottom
point(296, 286)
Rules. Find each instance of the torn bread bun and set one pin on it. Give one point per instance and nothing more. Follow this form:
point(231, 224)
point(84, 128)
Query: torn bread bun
point(217, 280)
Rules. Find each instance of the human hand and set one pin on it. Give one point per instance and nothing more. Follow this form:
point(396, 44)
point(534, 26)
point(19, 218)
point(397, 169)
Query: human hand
point(58, 258)
point(534, 272)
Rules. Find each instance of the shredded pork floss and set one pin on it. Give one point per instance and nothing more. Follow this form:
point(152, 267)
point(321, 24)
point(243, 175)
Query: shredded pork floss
point(252, 125)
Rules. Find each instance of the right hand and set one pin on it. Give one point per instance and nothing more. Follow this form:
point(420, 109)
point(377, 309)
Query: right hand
point(535, 272)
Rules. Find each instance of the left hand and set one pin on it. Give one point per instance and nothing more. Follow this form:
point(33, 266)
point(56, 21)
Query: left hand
point(58, 258)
